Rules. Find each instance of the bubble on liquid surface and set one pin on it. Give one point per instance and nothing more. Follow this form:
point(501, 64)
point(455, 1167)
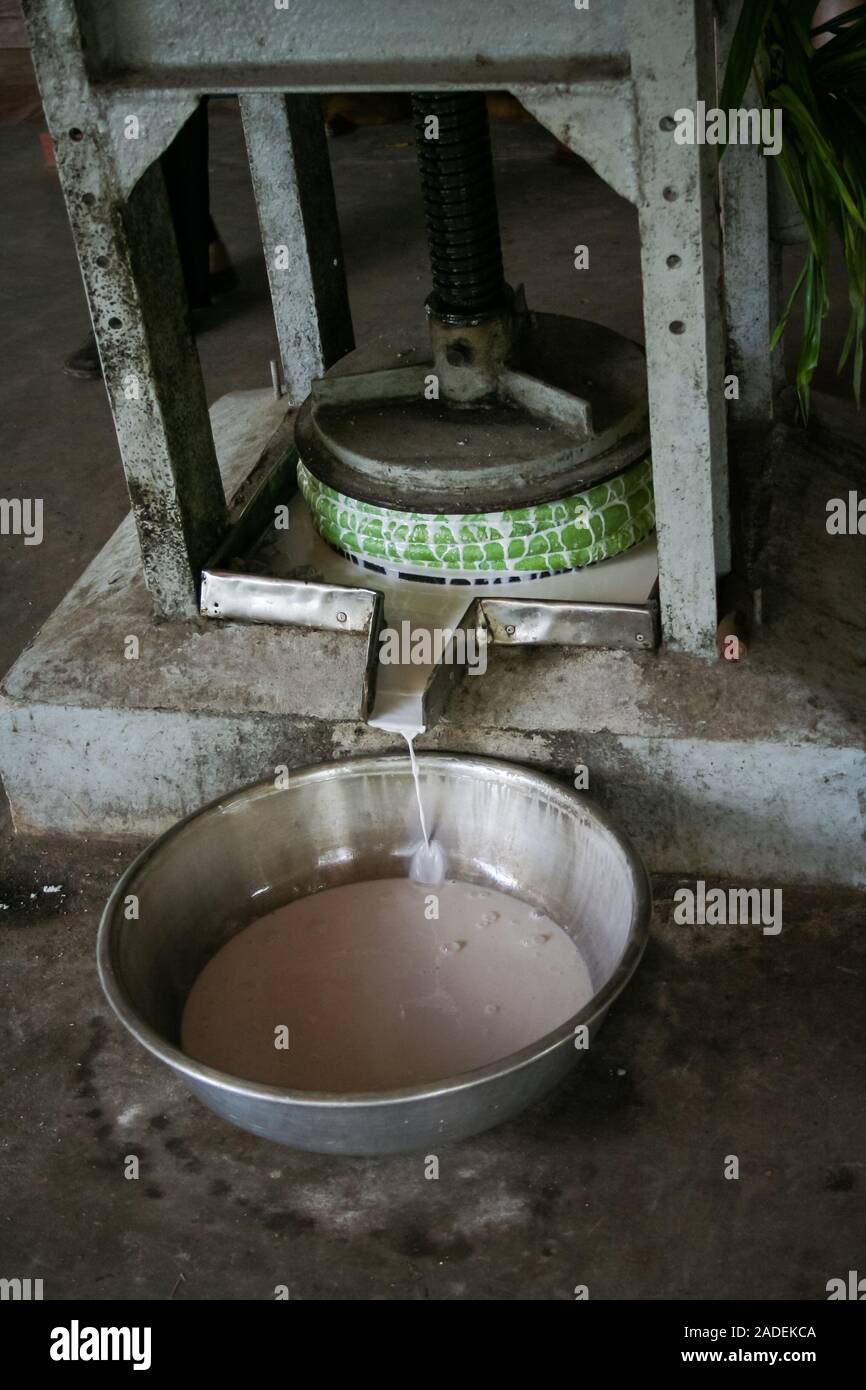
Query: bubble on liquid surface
point(537, 914)
point(537, 939)
point(487, 919)
point(452, 947)
point(491, 1008)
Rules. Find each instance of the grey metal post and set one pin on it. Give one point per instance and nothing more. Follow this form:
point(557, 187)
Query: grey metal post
point(294, 191)
point(673, 65)
point(128, 256)
point(749, 279)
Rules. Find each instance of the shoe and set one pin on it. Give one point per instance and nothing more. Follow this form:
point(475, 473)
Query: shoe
point(85, 363)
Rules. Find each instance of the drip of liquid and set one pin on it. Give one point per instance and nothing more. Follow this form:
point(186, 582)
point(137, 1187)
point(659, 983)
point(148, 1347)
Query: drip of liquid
point(428, 861)
point(356, 989)
point(410, 741)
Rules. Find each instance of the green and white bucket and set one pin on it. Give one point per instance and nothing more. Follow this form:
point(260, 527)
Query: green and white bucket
point(525, 543)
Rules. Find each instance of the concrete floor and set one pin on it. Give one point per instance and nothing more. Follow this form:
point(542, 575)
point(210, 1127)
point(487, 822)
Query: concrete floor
point(728, 1042)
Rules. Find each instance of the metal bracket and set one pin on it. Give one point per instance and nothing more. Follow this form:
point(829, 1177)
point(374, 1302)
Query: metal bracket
point(525, 622)
point(446, 677)
point(555, 622)
point(253, 598)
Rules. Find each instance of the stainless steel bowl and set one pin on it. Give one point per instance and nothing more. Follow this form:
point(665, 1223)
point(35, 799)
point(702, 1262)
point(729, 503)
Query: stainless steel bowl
point(501, 825)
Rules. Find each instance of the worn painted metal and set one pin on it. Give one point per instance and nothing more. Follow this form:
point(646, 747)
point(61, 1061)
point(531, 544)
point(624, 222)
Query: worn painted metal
point(131, 273)
point(673, 65)
point(294, 191)
point(329, 45)
point(750, 299)
point(602, 79)
point(598, 121)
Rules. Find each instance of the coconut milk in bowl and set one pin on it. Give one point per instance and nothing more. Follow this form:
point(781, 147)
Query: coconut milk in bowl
point(286, 965)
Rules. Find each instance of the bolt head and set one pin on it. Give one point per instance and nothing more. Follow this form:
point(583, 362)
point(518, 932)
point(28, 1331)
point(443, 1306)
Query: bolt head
point(341, 617)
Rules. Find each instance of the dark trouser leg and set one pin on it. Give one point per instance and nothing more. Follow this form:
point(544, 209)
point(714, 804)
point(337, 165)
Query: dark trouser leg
point(185, 169)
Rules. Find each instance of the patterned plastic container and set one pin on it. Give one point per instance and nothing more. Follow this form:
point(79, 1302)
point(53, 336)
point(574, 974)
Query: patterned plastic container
point(550, 538)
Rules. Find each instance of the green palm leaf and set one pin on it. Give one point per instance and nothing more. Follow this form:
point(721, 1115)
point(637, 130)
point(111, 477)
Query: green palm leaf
point(822, 93)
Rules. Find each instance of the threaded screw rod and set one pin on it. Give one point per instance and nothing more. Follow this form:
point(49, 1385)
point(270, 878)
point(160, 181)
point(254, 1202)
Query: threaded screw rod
point(459, 201)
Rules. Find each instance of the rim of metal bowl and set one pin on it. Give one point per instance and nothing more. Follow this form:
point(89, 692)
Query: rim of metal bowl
point(388, 764)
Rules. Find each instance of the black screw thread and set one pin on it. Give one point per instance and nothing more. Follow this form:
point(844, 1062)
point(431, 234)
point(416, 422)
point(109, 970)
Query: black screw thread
point(460, 202)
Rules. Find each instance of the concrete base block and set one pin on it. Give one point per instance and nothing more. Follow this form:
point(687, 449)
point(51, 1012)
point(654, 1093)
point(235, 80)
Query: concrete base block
point(754, 771)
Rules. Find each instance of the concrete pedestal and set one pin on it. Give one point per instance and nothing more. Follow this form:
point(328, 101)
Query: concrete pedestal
point(753, 771)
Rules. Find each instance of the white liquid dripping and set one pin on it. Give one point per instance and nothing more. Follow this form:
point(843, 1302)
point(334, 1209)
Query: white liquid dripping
point(428, 861)
point(410, 742)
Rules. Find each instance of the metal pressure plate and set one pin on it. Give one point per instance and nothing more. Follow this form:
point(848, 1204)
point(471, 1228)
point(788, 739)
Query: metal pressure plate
point(569, 411)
